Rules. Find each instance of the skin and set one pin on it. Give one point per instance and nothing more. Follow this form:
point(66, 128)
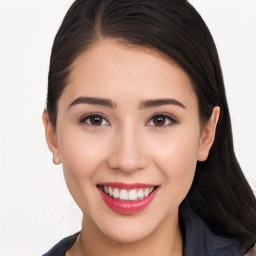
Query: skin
point(129, 146)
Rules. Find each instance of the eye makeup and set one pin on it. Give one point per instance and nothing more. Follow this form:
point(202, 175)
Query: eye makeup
point(158, 120)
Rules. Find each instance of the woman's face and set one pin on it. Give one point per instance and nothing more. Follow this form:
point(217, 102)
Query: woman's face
point(129, 120)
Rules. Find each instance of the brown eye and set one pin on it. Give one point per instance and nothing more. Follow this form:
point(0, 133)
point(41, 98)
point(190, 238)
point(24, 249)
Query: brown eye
point(162, 120)
point(94, 120)
point(159, 120)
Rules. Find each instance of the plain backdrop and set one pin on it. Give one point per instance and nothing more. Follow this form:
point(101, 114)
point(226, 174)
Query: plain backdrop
point(36, 209)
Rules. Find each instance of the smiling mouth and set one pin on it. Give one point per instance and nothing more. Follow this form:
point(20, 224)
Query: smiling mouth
point(132, 194)
point(126, 198)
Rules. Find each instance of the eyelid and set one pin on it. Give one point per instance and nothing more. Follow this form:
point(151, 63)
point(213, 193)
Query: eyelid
point(172, 119)
point(83, 119)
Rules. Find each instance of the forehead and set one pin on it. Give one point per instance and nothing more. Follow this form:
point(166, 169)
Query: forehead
point(113, 70)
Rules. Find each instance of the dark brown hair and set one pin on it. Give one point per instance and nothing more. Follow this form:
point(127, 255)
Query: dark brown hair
point(220, 193)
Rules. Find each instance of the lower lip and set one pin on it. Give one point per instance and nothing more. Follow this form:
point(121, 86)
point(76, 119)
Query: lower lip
point(127, 207)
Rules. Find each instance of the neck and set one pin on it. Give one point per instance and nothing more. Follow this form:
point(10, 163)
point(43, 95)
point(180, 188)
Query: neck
point(166, 240)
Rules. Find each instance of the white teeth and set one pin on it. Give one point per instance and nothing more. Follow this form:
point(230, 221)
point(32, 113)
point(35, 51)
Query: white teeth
point(140, 194)
point(146, 192)
point(106, 189)
point(124, 194)
point(116, 193)
point(133, 195)
point(110, 191)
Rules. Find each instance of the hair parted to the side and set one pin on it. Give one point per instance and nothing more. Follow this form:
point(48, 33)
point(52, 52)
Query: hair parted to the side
point(220, 193)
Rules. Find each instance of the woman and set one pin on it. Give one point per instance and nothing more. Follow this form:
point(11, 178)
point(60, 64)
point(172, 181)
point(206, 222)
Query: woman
point(137, 114)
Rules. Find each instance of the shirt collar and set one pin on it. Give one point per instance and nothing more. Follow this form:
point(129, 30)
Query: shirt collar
point(199, 240)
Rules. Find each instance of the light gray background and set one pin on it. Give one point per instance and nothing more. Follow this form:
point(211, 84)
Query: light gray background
point(36, 209)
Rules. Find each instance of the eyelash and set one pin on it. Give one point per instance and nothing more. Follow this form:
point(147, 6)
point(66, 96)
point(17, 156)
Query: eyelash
point(171, 119)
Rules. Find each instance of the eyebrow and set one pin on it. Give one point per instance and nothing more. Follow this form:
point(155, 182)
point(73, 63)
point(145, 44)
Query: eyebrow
point(160, 102)
point(110, 104)
point(93, 101)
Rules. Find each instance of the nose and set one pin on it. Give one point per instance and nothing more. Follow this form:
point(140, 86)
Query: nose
point(127, 154)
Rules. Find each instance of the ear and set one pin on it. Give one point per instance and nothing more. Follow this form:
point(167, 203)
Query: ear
point(208, 135)
point(50, 135)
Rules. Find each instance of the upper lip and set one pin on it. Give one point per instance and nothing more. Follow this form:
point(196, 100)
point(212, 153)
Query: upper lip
point(126, 185)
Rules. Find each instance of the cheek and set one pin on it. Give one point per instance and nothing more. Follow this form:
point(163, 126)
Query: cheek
point(178, 147)
point(80, 151)
point(82, 154)
point(176, 157)
point(81, 157)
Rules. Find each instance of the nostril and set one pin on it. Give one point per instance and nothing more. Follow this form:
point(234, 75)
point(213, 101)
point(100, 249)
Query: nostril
point(127, 163)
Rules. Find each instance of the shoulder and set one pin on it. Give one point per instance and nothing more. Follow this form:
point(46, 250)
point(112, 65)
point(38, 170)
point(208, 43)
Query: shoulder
point(200, 240)
point(60, 248)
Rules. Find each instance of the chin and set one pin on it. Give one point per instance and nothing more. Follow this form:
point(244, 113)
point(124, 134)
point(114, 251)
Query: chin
point(129, 232)
point(127, 238)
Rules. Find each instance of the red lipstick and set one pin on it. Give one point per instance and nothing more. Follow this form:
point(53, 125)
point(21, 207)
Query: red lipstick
point(126, 206)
